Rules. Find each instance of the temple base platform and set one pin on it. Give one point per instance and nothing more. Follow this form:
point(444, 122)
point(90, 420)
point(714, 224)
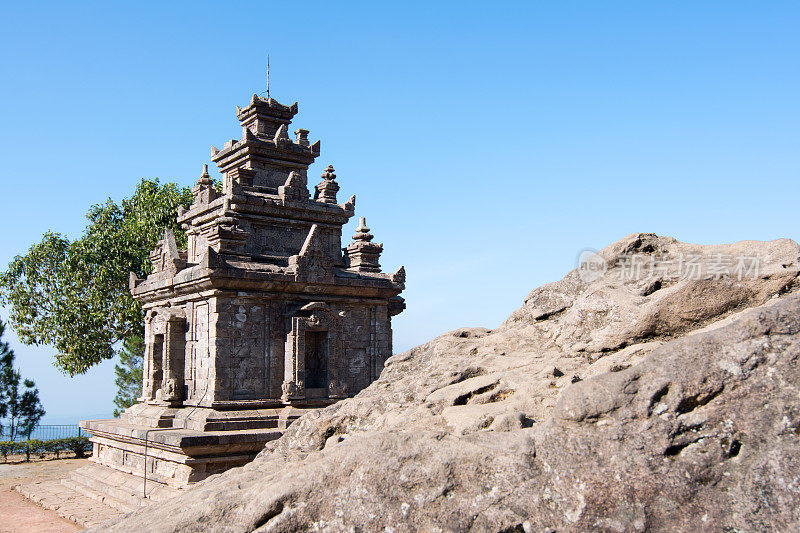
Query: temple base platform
point(153, 451)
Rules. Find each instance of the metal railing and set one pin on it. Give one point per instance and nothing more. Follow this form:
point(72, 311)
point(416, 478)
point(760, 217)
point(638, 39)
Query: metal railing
point(45, 432)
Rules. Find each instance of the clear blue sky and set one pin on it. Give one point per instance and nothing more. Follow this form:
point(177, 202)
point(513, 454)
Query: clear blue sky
point(488, 143)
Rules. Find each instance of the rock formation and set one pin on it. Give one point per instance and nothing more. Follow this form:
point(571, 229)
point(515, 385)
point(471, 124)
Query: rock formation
point(610, 402)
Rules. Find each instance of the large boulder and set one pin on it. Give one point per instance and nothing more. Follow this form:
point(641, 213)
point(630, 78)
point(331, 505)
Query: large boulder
point(612, 400)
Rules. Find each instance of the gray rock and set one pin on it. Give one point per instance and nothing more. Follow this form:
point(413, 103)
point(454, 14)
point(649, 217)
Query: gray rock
point(686, 416)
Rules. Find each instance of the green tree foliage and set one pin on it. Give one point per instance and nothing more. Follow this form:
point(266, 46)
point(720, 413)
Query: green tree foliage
point(20, 405)
point(129, 373)
point(73, 295)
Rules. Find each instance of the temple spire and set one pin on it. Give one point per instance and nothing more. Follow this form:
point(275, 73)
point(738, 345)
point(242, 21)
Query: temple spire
point(325, 191)
point(205, 178)
point(362, 255)
point(362, 233)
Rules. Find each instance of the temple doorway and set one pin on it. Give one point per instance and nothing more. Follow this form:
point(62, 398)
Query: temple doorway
point(158, 363)
point(316, 352)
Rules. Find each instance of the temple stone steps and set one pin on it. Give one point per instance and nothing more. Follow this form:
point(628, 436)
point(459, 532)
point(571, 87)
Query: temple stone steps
point(67, 503)
point(116, 489)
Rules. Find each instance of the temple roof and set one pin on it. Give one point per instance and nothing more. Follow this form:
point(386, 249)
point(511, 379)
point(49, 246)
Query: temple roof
point(267, 107)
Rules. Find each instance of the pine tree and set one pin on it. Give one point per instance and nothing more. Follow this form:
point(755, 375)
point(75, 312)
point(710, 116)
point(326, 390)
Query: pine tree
point(6, 375)
point(129, 373)
point(22, 407)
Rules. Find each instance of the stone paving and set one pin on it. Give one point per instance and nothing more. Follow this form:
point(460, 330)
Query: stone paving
point(40, 482)
point(18, 515)
point(67, 503)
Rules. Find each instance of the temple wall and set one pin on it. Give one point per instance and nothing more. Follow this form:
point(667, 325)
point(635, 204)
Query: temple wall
point(197, 245)
point(200, 371)
point(367, 333)
point(286, 239)
point(276, 239)
point(270, 176)
point(251, 342)
point(277, 345)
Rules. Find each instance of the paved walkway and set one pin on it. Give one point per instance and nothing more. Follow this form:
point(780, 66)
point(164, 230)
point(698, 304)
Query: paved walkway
point(41, 482)
point(18, 515)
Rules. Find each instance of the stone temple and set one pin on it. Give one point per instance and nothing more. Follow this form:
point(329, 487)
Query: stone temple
point(263, 316)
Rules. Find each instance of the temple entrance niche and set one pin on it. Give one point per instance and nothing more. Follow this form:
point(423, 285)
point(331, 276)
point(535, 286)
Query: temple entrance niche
point(157, 354)
point(312, 351)
point(316, 357)
point(165, 354)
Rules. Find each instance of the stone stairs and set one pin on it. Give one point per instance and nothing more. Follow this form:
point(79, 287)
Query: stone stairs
point(74, 506)
point(116, 489)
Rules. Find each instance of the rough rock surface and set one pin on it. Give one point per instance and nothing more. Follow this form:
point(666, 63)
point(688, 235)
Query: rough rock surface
point(617, 405)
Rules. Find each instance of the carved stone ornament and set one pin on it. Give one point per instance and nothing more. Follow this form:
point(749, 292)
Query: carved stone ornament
point(337, 389)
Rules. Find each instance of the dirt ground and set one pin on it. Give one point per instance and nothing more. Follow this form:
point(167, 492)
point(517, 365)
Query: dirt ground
point(19, 515)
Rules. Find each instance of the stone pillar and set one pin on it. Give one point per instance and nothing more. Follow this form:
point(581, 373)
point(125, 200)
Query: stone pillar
point(150, 381)
point(293, 387)
point(174, 359)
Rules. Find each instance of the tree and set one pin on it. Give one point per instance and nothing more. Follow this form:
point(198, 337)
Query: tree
point(22, 407)
point(73, 295)
point(6, 367)
point(129, 373)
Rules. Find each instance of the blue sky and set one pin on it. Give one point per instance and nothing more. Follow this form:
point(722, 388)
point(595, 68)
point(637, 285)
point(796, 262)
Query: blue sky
point(487, 143)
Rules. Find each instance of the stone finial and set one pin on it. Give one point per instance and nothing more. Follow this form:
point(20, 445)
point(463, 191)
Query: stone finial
point(204, 192)
point(301, 137)
point(400, 275)
point(313, 242)
point(280, 135)
point(328, 173)
point(362, 255)
point(205, 179)
point(170, 245)
point(166, 257)
point(350, 204)
point(133, 280)
point(313, 262)
point(294, 189)
point(362, 231)
point(325, 191)
point(294, 180)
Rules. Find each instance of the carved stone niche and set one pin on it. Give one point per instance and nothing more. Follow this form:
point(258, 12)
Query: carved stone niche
point(313, 351)
point(164, 356)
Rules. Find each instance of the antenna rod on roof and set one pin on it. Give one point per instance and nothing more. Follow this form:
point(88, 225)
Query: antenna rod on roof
point(267, 76)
